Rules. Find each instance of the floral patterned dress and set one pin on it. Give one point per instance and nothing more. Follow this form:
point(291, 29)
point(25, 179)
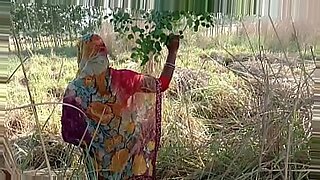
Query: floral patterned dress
point(114, 118)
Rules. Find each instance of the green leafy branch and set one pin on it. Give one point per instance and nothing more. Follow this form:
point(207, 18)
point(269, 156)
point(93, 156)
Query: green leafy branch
point(152, 30)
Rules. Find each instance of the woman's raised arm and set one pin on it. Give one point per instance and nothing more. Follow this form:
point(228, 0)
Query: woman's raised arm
point(132, 82)
point(148, 82)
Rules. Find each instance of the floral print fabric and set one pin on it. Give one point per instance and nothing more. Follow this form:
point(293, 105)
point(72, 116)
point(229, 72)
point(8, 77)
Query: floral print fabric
point(119, 131)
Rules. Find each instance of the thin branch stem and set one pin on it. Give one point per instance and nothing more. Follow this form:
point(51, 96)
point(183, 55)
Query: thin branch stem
point(32, 101)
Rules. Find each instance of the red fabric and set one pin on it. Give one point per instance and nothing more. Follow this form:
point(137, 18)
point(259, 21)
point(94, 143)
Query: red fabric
point(129, 81)
point(132, 81)
point(165, 81)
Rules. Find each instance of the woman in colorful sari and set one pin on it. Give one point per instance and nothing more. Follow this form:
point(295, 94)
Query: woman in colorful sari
point(115, 115)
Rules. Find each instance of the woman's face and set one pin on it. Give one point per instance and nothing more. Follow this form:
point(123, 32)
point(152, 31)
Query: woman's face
point(99, 44)
point(90, 46)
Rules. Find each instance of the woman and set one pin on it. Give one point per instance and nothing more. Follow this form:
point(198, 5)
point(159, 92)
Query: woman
point(114, 115)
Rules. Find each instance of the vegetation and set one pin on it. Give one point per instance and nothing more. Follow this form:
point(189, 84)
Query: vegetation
point(149, 28)
point(233, 111)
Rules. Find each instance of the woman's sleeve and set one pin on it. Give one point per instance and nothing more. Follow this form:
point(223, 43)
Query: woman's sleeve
point(73, 119)
point(165, 82)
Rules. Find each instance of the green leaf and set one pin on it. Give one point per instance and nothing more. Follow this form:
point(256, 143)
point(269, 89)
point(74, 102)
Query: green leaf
point(197, 22)
point(126, 16)
point(196, 28)
point(176, 15)
point(133, 55)
point(138, 41)
point(163, 38)
point(148, 37)
point(130, 36)
point(135, 29)
point(156, 37)
point(190, 22)
point(141, 31)
point(169, 26)
point(145, 59)
point(208, 18)
point(157, 32)
point(157, 46)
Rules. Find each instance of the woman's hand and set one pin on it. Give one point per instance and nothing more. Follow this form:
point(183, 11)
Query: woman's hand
point(173, 43)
